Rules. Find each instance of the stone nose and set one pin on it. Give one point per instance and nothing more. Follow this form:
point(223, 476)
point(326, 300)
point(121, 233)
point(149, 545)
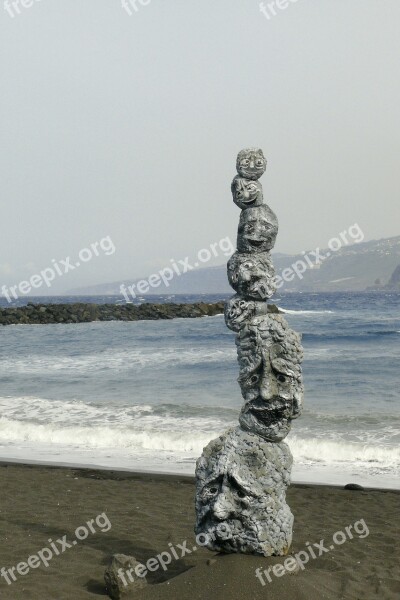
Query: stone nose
point(252, 164)
point(268, 385)
point(258, 228)
point(245, 275)
point(223, 506)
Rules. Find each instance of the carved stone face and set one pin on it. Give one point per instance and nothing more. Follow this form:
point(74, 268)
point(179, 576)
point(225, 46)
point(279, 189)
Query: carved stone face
point(240, 494)
point(252, 275)
point(246, 192)
point(239, 311)
point(258, 228)
point(251, 163)
point(269, 355)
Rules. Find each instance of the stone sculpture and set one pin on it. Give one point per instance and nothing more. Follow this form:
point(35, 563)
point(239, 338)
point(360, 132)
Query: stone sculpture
point(246, 192)
point(258, 228)
point(252, 276)
point(250, 163)
point(241, 477)
point(240, 499)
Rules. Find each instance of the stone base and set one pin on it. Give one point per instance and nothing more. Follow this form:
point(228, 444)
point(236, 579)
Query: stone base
point(241, 482)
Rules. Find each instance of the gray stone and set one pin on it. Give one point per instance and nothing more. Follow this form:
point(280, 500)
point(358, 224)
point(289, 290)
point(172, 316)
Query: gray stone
point(258, 228)
point(252, 275)
point(353, 486)
point(242, 476)
point(120, 576)
point(251, 163)
point(241, 483)
point(239, 311)
point(246, 193)
point(270, 376)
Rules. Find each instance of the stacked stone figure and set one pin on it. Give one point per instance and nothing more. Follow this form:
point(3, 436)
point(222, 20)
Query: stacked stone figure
point(241, 477)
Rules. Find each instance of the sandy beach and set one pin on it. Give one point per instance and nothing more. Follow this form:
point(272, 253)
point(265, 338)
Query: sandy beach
point(143, 515)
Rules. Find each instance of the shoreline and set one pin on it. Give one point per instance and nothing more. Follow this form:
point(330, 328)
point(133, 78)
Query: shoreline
point(134, 473)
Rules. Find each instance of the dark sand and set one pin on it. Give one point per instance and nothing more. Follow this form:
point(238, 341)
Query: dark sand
point(147, 512)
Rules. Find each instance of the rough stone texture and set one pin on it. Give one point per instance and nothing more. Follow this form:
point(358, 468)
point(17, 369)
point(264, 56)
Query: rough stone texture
point(246, 192)
point(251, 163)
point(83, 313)
point(252, 275)
point(241, 482)
point(243, 475)
point(270, 377)
point(115, 584)
point(239, 311)
point(258, 228)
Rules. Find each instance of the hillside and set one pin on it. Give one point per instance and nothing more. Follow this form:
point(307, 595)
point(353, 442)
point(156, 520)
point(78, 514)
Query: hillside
point(352, 268)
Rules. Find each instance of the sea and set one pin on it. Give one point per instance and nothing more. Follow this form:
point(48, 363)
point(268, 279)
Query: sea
point(149, 395)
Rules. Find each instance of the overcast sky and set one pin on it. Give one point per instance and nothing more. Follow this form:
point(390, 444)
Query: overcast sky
point(128, 126)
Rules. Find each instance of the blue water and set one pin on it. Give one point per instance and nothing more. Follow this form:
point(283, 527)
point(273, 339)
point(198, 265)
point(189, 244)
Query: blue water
point(150, 394)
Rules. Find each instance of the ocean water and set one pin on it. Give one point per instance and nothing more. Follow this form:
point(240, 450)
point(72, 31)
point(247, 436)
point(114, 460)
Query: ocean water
point(150, 395)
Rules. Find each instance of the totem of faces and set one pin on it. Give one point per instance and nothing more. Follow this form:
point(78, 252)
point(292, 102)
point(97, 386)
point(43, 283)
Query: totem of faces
point(251, 163)
point(269, 355)
point(258, 228)
point(239, 311)
point(246, 192)
point(252, 275)
point(240, 495)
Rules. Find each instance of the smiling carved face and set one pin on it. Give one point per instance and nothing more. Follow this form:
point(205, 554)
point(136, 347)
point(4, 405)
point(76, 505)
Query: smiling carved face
point(246, 192)
point(258, 228)
point(251, 163)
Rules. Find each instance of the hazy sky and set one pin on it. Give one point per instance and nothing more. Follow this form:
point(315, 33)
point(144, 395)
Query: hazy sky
point(128, 127)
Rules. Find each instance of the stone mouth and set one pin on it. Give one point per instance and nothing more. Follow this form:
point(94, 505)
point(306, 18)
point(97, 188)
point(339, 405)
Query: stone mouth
point(255, 243)
point(271, 414)
point(251, 173)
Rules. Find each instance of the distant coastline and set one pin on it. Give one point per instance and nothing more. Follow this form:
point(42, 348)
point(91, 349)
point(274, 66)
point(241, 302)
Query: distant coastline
point(37, 314)
point(43, 314)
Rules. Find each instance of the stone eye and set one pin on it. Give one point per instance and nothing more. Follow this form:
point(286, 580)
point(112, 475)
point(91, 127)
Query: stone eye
point(260, 162)
point(211, 491)
point(241, 494)
point(281, 378)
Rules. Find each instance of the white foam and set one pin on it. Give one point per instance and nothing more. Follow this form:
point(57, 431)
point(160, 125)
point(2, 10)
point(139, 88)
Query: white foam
point(305, 312)
point(117, 437)
point(165, 438)
point(115, 361)
point(314, 450)
point(80, 425)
